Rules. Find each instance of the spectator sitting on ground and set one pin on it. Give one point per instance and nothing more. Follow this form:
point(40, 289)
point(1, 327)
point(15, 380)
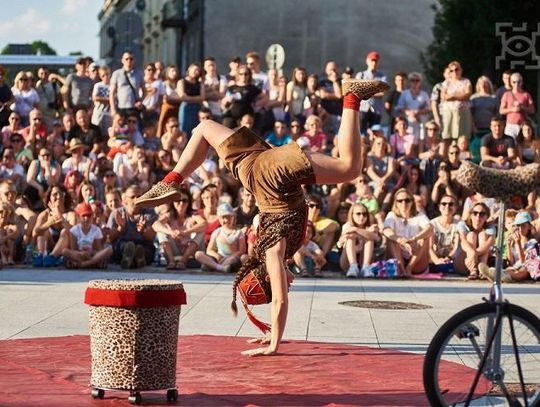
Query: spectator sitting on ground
point(498, 150)
point(11, 170)
point(52, 227)
point(315, 135)
point(444, 241)
point(179, 233)
point(407, 231)
point(227, 246)
point(89, 134)
point(173, 140)
point(134, 169)
point(358, 238)
point(279, 137)
point(85, 248)
point(325, 228)
point(42, 173)
point(9, 233)
point(477, 238)
point(404, 144)
point(24, 217)
point(131, 232)
point(78, 161)
point(309, 258)
point(35, 134)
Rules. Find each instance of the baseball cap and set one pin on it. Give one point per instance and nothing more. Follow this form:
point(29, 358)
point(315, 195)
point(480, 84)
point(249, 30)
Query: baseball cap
point(376, 127)
point(373, 55)
point(84, 209)
point(225, 209)
point(522, 218)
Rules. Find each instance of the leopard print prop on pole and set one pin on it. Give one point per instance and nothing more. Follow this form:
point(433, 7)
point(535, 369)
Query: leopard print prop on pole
point(134, 348)
point(500, 184)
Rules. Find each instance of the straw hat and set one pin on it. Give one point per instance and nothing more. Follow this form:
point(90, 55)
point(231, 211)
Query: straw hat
point(74, 144)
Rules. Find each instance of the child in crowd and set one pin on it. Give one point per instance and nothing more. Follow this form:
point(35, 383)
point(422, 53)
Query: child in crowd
point(463, 146)
point(119, 137)
point(227, 246)
point(309, 258)
point(85, 248)
point(523, 253)
point(9, 233)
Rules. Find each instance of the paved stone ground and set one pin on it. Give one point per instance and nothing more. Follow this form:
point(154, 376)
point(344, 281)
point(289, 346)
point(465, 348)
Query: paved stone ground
point(49, 302)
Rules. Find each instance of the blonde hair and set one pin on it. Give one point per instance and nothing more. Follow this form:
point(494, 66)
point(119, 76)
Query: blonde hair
point(479, 87)
point(350, 216)
point(395, 207)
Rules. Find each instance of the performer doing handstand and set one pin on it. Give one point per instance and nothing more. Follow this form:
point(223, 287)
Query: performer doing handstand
point(274, 176)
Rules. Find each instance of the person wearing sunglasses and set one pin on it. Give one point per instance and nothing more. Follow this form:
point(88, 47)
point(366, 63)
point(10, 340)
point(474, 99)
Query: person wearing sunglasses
point(42, 173)
point(456, 108)
point(126, 87)
point(26, 97)
point(477, 237)
point(516, 104)
point(13, 126)
point(444, 241)
point(357, 241)
point(407, 233)
point(414, 103)
point(179, 231)
point(275, 176)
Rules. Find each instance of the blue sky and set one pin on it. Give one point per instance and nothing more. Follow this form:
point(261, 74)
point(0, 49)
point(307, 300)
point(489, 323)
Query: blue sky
point(66, 25)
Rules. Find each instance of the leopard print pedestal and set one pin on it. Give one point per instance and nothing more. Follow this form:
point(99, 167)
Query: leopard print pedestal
point(134, 348)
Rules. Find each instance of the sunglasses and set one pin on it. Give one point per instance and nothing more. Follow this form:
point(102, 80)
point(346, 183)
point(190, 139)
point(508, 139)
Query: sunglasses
point(449, 204)
point(406, 200)
point(360, 213)
point(312, 205)
point(18, 140)
point(110, 174)
point(46, 155)
point(414, 80)
point(36, 119)
point(452, 153)
point(478, 213)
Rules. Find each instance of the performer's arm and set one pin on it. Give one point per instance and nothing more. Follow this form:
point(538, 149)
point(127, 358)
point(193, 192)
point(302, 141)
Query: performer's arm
point(280, 300)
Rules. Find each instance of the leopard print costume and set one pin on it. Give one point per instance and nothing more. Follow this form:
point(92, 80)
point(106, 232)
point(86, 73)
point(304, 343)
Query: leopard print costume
point(501, 184)
point(134, 348)
point(290, 225)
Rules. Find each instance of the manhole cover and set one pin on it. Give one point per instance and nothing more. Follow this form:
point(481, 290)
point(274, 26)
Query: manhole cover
point(385, 304)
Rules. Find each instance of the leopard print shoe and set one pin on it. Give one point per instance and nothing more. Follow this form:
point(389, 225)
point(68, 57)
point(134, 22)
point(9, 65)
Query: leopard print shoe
point(363, 89)
point(159, 194)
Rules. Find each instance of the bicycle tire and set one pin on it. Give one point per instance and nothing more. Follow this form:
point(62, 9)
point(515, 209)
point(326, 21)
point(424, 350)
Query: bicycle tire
point(444, 373)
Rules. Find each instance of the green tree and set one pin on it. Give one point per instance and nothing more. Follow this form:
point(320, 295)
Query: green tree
point(466, 31)
point(41, 47)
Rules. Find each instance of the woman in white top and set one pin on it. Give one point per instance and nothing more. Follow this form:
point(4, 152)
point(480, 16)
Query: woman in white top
point(444, 241)
point(296, 94)
point(407, 232)
point(26, 97)
point(358, 237)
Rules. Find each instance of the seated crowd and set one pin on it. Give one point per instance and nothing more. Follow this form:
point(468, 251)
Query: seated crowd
point(78, 151)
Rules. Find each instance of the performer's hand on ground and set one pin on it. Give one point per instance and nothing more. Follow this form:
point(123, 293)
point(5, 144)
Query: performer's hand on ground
point(259, 352)
point(264, 340)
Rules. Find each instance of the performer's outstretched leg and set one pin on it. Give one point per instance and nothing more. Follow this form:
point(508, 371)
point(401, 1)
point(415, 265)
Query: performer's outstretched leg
point(332, 170)
point(207, 133)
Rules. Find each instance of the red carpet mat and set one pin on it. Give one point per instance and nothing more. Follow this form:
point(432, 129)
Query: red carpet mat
point(211, 372)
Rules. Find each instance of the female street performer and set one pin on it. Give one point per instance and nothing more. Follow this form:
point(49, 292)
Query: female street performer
point(274, 176)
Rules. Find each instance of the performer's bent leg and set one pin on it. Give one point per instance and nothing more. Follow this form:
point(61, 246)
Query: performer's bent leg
point(330, 170)
point(207, 133)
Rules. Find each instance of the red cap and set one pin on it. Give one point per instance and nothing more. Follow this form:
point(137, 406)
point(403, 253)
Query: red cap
point(84, 209)
point(373, 55)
